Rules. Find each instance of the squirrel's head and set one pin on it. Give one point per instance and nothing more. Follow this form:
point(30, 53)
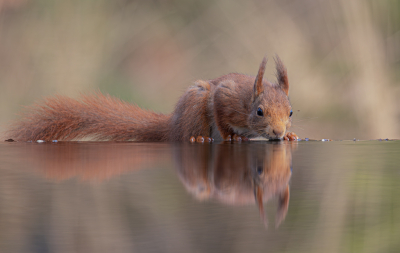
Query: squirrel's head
point(271, 111)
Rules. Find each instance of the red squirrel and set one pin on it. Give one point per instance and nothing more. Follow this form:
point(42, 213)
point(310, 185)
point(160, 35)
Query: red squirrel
point(230, 107)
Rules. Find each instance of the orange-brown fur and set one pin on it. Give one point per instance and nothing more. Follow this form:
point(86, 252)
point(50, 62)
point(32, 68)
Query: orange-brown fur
point(218, 108)
point(101, 117)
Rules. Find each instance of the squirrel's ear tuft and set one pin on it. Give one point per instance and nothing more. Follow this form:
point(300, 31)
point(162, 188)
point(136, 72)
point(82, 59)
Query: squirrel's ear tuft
point(258, 84)
point(281, 75)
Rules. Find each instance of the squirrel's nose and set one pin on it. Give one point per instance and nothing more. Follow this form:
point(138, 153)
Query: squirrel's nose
point(278, 133)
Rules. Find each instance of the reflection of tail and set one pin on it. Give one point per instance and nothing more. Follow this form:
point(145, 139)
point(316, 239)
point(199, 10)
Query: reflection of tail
point(91, 161)
point(100, 117)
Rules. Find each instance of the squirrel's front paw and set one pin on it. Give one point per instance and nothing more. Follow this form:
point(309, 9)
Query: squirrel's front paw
point(290, 136)
point(201, 139)
point(236, 137)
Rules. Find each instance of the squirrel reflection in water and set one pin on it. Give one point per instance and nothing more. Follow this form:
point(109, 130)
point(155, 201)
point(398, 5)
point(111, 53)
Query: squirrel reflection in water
point(239, 174)
point(232, 173)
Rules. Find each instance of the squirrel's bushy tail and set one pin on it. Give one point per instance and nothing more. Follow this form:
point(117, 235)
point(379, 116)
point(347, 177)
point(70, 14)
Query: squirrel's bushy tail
point(98, 117)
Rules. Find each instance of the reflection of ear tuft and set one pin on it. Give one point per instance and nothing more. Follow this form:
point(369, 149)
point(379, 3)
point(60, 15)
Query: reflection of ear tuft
point(282, 206)
point(258, 194)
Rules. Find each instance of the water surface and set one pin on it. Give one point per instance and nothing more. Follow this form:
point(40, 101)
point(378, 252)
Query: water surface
point(220, 197)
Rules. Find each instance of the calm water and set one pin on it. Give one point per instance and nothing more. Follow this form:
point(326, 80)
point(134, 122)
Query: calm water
point(240, 197)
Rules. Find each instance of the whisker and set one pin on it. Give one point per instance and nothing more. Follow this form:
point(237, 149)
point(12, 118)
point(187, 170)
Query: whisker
point(300, 120)
point(298, 127)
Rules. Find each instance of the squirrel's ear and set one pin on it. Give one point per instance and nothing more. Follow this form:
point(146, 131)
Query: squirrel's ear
point(281, 75)
point(258, 84)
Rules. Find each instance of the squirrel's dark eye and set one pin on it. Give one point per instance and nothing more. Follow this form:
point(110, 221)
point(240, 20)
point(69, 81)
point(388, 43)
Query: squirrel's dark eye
point(259, 170)
point(260, 112)
point(291, 112)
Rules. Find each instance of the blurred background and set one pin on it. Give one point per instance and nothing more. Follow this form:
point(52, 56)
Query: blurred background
point(343, 57)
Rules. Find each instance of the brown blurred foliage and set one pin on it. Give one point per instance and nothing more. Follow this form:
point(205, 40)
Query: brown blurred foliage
point(343, 57)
